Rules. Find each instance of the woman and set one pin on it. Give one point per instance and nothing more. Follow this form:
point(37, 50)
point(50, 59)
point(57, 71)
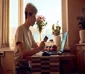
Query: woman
point(25, 43)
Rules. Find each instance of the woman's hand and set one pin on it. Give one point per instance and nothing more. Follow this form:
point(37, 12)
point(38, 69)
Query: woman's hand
point(42, 45)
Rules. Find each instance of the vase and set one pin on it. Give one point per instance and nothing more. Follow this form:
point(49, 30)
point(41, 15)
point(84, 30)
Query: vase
point(82, 36)
point(57, 40)
point(40, 36)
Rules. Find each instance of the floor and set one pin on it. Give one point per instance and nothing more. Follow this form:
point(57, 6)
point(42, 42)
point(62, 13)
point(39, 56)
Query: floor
point(8, 72)
point(12, 73)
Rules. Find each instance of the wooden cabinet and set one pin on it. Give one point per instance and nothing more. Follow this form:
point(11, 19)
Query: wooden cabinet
point(80, 49)
point(7, 60)
point(67, 65)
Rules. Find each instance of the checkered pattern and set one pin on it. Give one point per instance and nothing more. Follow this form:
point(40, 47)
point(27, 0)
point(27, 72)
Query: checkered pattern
point(45, 65)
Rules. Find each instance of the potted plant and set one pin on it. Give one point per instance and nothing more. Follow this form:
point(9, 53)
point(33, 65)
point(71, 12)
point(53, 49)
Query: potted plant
point(81, 24)
point(41, 23)
point(56, 32)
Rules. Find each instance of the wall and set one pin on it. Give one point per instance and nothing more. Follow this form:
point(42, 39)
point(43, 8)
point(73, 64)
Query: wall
point(72, 9)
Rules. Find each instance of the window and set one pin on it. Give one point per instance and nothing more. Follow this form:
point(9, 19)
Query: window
point(50, 9)
point(52, 12)
point(13, 20)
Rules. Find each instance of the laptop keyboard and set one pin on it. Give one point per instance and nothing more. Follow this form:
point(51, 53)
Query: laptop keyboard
point(48, 53)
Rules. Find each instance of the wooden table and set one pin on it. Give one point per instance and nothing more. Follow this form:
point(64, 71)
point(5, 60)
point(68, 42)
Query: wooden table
point(55, 64)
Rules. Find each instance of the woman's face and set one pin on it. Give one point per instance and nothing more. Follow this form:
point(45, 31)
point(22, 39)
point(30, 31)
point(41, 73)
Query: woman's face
point(32, 19)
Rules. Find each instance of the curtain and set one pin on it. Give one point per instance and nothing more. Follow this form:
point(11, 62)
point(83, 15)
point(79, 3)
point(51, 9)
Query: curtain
point(4, 23)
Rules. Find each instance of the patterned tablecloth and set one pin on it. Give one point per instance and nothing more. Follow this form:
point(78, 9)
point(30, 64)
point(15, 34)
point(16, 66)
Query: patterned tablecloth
point(45, 65)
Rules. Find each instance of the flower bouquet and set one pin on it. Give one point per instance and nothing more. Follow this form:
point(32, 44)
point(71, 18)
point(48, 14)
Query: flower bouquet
point(56, 32)
point(40, 21)
point(56, 29)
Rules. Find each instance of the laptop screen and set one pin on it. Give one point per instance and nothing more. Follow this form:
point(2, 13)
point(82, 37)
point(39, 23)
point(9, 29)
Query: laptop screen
point(63, 41)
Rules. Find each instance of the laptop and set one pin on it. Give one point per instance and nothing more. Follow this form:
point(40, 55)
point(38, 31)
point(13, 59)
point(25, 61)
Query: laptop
point(61, 48)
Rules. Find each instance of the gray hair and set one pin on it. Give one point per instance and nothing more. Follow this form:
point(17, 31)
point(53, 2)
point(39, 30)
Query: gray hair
point(30, 9)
